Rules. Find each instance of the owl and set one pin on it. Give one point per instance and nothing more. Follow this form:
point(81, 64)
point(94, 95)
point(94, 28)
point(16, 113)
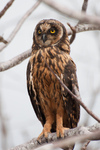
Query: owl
point(55, 108)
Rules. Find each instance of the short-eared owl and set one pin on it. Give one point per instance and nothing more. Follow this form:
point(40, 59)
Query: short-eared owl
point(53, 105)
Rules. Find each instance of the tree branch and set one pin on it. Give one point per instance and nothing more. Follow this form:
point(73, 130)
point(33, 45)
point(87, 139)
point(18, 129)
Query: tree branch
point(20, 23)
point(91, 19)
point(84, 8)
point(15, 61)
point(84, 27)
point(6, 8)
point(79, 134)
point(73, 33)
point(85, 146)
point(85, 4)
point(3, 40)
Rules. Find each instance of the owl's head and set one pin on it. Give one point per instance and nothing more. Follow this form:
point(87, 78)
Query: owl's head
point(49, 33)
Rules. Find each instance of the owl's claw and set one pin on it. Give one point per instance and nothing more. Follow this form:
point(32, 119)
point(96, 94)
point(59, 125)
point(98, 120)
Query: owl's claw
point(43, 133)
point(60, 132)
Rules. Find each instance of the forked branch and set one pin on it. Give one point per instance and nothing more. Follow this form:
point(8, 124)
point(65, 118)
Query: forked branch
point(73, 33)
point(3, 40)
point(66, 11)
point(20, 23)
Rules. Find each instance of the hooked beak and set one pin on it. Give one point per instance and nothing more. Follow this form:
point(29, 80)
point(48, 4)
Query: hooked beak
point(44, 38)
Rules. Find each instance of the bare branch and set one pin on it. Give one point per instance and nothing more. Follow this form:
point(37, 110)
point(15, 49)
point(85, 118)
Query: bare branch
point(15, 61)
point(18, 26)
point(85, 146)
point(84, 27)
point(6, 8)
point(91, 19)
point(85, 4)
point(73, 33)
point(84, 8)
point(3, 40)
point(79, 134)
point(78, 99)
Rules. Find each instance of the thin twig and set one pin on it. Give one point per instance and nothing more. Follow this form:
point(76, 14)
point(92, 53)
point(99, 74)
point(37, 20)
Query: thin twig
point(6, 8)
point(84, 9)
point(73, 33)
point(85, 4)
point(3, 40)
point(85, 146)
point(78, 99)
point(20, 23)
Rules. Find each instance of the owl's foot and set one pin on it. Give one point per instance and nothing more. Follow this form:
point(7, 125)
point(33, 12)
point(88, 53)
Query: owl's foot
point(60, 132)
point(45, 132)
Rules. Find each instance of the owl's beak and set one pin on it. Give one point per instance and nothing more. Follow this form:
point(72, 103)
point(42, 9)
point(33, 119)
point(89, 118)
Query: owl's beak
point(44, 38)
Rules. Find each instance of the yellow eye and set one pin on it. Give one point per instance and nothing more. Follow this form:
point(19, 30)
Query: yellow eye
point(52, 31)
point(39, 31)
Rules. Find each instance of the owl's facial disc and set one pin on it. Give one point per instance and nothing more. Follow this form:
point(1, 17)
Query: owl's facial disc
point(48, 34)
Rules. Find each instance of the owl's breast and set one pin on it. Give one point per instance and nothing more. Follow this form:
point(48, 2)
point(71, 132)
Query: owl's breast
point(45, 83)
point(53, 58)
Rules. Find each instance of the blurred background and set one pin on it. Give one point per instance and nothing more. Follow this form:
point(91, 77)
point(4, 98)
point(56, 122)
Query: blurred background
point(18, 122)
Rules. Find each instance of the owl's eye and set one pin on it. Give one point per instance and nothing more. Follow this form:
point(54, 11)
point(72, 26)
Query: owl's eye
point(52, 31)
point(39, 31)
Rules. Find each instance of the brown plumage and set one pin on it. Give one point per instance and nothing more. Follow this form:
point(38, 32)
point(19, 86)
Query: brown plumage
point(53, 105)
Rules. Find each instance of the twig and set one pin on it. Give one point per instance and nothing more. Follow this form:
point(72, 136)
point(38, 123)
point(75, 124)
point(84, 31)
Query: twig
point(73, 33)
point(85, 4)
point(6, 8)
point(78, 99)
point(15, 61)
point(92, 19)
point(18, 26)
point(84, 8)
point(3, 40)
point(85, 146)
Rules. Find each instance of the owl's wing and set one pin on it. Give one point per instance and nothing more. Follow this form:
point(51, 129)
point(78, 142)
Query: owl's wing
point(34, 96)
point(70, 80)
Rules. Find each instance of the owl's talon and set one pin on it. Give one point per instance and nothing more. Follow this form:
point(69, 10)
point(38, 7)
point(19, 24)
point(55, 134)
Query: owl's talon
point(60, 132)
point(45, 134)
